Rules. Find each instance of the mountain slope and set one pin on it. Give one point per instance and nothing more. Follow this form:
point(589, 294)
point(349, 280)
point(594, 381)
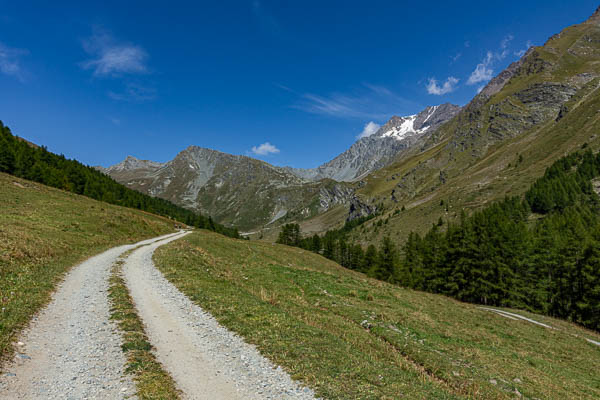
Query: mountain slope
point(371, 153)
point(250, 194)
point(540, 108)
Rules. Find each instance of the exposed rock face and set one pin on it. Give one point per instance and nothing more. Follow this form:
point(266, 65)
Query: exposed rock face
point(383, 147)
point(332, 196)
point(484, 122)
point(359, 209)
point(131, 164)
point(433, 117)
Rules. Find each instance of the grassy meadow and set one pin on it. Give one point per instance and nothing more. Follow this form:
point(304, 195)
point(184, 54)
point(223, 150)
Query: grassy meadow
point(351, 337)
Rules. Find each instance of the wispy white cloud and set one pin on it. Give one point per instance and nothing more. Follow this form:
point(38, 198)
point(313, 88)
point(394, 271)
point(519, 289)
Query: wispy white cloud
point(378, 89)
point(521, 53)
point(369, 101)
point(455, 57)
point(484, 71)
point(134, 92)
point(504, 44)
point(114, 120)
point(448, 86)
point(284, 88)
point(110, 57)
point(10, 61)
point(335, 105)
point(369, 129)
point(265, 149)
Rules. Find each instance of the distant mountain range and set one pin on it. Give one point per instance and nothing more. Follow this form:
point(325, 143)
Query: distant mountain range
point(235, 190)
point(250, 193)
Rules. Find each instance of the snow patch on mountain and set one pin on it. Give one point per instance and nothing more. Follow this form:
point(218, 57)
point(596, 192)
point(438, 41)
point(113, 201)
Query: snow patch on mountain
point(400, 132)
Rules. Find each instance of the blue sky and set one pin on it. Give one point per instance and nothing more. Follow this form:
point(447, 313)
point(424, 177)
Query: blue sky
point(290, 82)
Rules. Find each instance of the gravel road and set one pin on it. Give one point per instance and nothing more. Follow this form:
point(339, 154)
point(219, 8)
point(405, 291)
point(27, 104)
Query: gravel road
point(206, 360)
point(71, 349)
point(517, 317)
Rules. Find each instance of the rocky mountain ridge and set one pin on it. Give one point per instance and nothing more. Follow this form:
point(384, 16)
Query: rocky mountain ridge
point(233, 189)
point(371, 153)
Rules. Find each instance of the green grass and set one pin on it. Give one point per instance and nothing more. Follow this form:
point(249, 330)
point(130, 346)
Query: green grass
point(351, 337)
point(152, 381)
point(44, 232)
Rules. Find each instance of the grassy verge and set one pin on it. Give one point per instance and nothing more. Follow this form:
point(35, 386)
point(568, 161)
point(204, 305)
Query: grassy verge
point(350, 337)
point(152, 381)
point(44, 232)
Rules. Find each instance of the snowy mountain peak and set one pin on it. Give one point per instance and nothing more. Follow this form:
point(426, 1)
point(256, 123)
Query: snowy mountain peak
point(398, 127)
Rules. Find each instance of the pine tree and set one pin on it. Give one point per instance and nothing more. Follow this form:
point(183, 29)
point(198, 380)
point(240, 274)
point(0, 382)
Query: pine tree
point(587, 303)
point(7, 158)
point(370, 260)
point(357, 255)
point(329, 247)
point(386, 268)
point(316, 244)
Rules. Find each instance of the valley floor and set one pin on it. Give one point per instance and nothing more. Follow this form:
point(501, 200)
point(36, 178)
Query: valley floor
point(332, 330)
